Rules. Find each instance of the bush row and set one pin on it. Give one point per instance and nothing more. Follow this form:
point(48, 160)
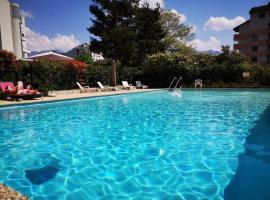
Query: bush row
point(158, 71)
point(162, 67)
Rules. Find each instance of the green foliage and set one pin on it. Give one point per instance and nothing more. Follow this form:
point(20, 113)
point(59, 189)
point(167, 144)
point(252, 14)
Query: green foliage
point(112, 24)
point(149, 33)
point(160, 69)
point(97, 73)
point(125, 31)
point(6, 56)
point(45, 75)
point(85, 57)
point(58, 75)
point(131, 74)
point(177, 33)
point(230, 57)
point(225, 70)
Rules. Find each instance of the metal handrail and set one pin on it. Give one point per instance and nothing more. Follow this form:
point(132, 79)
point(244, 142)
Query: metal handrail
point(180, 78)
point(174, 78)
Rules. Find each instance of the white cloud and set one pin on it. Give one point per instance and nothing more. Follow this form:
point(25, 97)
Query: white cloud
point(38, 42)
point(212, 44)
point(26, 14)
point(222, 23)
point(183, 17)
point(194, 29)
point(153, 3)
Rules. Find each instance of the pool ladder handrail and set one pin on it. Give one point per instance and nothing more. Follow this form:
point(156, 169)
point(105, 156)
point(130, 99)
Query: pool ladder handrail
point(174, 78)
point(180, 78)
point(170, 87)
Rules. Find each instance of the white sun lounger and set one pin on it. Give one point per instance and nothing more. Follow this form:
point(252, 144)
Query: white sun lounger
point(106, 87)
point(139, 85)
point(83, 88)
point(127, 86)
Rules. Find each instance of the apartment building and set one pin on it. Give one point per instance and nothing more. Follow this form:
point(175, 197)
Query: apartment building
point(82, 49)
point(12, 29)
point(253, 36)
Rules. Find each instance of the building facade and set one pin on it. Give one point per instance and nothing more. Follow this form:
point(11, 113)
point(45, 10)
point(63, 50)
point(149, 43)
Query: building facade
point(253, 36)
point(82, 49)
point(12, 29)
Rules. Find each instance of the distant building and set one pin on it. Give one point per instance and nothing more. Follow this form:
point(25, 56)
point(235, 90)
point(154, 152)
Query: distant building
point(82, 49)
point(253, 38)
point(12, 29)
point(50, 55)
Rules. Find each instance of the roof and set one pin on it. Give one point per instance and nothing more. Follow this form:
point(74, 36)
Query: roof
point(236, 29)
point(50, 55)
point(260, 8)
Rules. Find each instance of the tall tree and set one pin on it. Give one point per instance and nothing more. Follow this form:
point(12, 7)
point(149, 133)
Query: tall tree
point(177, 33)
point(149, 32)
point(113, 30)
point(230, 57)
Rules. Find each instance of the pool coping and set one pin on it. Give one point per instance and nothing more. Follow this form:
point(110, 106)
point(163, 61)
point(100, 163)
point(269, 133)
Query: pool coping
point(69, 97)
point(73, 98)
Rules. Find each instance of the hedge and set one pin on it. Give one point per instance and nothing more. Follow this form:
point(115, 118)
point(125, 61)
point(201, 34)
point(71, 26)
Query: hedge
point(158, 70)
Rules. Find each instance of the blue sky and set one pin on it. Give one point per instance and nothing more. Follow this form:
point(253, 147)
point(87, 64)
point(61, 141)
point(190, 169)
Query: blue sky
point(62, 24)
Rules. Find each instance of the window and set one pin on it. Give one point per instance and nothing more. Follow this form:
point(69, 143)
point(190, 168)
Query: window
point(262, 15)
point(268, 25)
point(255, 48)
point(254, 37)
point(268, 59)
point(254, 59)
point(268, 47)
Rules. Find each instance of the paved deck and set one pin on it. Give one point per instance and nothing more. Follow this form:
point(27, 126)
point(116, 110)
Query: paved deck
point(6, 193)
point(74, 96)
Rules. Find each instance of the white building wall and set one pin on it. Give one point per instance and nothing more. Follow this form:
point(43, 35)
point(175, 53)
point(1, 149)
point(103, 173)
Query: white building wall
point(97, 57)
point(12, 26)
point(16, 30)
point(25, 51)
point(5, 26)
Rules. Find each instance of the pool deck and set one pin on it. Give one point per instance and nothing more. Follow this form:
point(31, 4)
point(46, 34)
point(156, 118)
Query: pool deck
point(78, 95)
point(7, 193)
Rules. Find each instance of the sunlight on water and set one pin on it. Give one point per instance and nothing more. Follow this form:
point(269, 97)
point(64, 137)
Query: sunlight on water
point(156, 145)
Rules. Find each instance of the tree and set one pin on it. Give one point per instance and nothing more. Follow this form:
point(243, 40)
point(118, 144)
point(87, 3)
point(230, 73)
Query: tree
point(149, 32)
point(6, 57)
point(125, 30)
point(177, 33)
point(230, 57)
point(85, 57)
point(112, 31)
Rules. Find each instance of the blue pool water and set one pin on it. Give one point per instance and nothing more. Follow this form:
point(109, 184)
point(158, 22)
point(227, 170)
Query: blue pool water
point(153, 145)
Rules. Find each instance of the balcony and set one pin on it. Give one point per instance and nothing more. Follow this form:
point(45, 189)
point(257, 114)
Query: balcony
point(246, 36)
point(241, 46)
point(258, 53)
point(238, 37)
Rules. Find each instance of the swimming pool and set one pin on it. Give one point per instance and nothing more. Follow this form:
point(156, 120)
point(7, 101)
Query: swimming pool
point(152, 145)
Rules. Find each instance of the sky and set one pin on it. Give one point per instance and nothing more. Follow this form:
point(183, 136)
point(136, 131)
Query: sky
point(62, 24)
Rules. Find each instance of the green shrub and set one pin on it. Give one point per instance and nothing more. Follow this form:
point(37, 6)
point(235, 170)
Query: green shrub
point(158, 71)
